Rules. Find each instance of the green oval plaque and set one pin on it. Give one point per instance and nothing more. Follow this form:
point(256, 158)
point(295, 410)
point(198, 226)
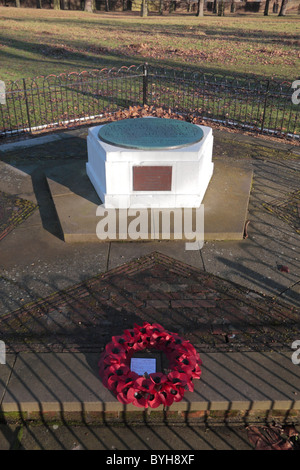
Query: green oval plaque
point(150, 133)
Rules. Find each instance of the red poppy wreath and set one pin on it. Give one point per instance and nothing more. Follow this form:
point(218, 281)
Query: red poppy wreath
point(154, 389)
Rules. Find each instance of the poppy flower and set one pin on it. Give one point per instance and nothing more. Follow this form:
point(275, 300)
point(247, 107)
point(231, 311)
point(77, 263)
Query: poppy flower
point(146, 333)
point(166, 398)
point(121, 370)
point(158, 378)
point(126, 381)
point(122, 340)
point(196, 372)
point(124, 385)
point(176, 377)
point(122, 396)
point(144, 384)
point(185, 360)
point(180, 378)
point(129, 339)
point(112, 348)
point(176, 393)
point(142, 331)
point(148, 329)
point(137, 398)
point(154, 399)
point(160, 339)
point(183, 346)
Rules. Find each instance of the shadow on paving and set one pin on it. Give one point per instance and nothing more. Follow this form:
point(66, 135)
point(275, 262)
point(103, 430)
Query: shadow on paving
point(209, 311)
point(214, 314)
point(126, 437)
point(13, 211)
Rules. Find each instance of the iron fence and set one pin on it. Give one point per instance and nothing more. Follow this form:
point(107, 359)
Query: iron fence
point(258, 105)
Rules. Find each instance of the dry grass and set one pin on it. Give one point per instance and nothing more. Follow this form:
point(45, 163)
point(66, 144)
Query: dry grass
point(41, 42)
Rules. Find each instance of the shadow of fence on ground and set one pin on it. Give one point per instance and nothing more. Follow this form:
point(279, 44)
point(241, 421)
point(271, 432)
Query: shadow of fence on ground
point(61, 388)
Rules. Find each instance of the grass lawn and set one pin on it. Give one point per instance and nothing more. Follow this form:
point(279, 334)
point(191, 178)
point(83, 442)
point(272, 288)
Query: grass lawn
point(41, 42)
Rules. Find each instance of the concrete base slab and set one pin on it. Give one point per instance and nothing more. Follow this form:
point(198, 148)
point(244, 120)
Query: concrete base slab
point(69, 382)
point(76, 202)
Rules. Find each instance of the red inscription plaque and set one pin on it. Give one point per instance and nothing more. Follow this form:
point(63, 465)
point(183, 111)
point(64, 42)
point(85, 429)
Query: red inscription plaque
point(152, 178)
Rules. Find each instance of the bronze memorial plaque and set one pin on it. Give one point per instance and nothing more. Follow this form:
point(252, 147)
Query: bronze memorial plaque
point(152, 178)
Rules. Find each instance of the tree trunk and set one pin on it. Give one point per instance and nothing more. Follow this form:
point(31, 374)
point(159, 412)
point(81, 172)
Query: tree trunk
point(283, 7)
point(200, 8)
point(266, 12)
point(106, 5)
point(89, 6)
point(144, 8)
point(232, 6)
point(221, 8)
point(56, 4)
point(39, 3)
point(18, 5)
point(215, 6)
point(161, 6)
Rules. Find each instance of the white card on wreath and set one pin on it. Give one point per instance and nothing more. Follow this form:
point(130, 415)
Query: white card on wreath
point(140, 365)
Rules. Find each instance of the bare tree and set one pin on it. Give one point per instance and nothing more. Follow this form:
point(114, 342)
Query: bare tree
point(200, 8)
point(283, 7)
point(89, 6)
point(221, 8)
point(144, 8)
point(266, 12)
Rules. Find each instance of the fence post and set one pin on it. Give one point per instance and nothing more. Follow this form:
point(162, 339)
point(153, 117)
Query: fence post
point(145, 83)
point(26, 101)
point(265, 106)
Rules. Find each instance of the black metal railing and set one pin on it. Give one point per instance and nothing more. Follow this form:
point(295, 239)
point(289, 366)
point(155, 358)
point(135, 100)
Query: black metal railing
point(258, 105)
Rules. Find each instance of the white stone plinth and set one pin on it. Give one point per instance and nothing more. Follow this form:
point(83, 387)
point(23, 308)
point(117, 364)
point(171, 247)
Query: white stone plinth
point(111, 168)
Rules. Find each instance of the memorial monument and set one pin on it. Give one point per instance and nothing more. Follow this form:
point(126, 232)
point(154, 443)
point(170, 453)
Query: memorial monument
point(150, 162)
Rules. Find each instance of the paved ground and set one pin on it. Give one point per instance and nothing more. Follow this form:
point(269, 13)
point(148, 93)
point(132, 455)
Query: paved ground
point(155, 440)
point(214, 314)
point(230, 296)
point(33, 270)
point(66, 437)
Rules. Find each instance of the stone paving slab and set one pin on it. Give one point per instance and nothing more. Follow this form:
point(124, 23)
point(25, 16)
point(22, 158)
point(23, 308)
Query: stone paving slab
point(225, 206)
point(13, 211)
point(134, 438)
point(5, 372)
point(219, 317)
point(30, 270)
point(68, 382)
point(213, 313)
point(9, 436)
